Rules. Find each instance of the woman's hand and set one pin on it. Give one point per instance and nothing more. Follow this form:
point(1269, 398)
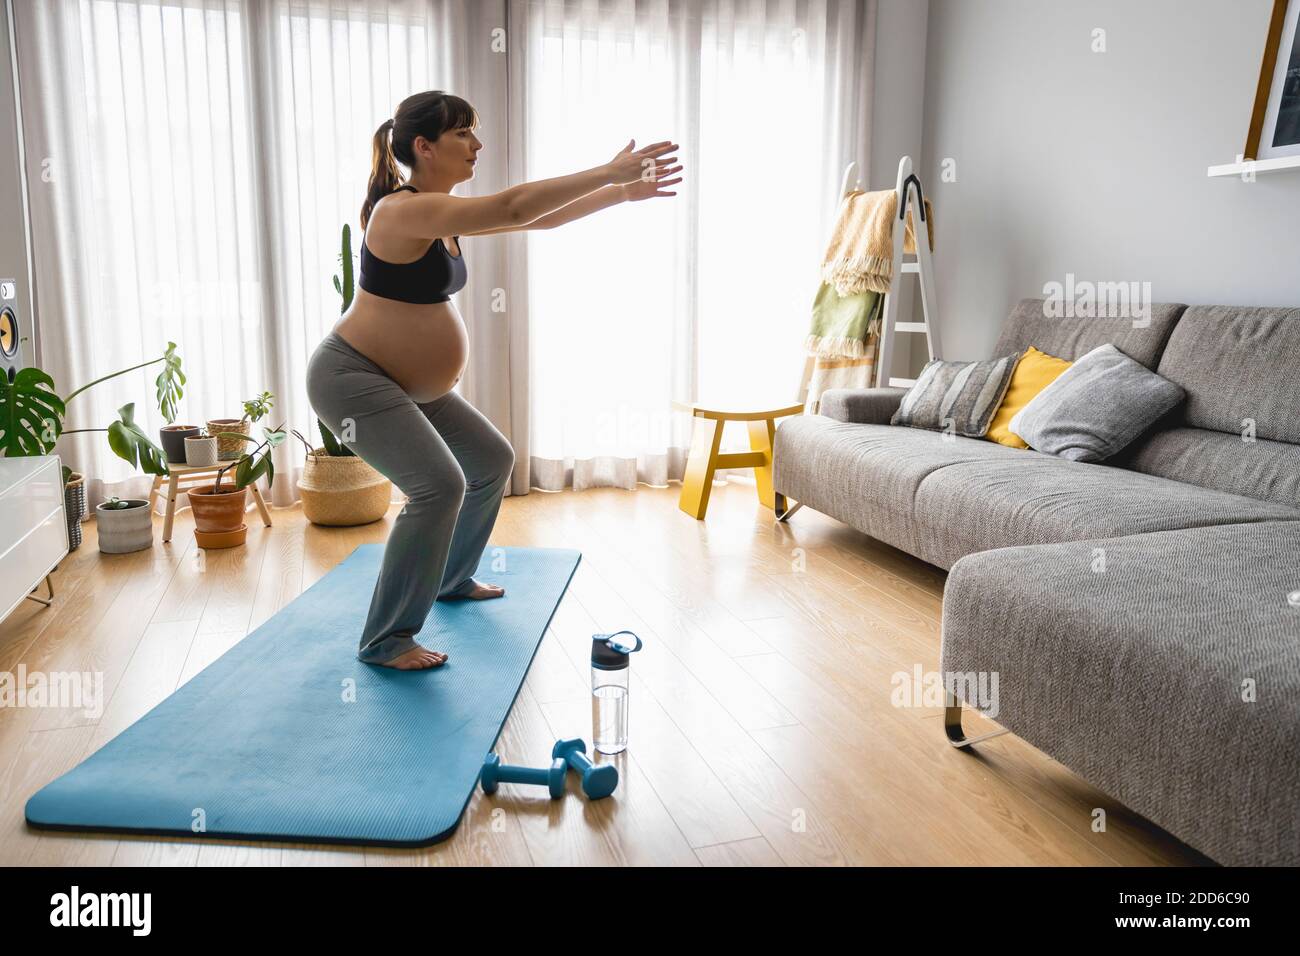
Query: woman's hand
point(644, 164)
point(646, 188)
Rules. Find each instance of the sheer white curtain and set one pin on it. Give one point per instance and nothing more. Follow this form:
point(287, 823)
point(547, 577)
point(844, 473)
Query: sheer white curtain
point(191, 164)
point(702, 296)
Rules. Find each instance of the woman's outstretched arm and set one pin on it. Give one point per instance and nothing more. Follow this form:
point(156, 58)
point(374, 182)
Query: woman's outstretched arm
point(651, 184)
point(602, 198)
point(433, 214)
point(537, 199)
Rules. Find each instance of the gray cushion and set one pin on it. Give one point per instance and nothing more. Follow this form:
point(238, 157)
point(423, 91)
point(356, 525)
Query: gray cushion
point(1268, 470)
point(1094, 408)
point(956, 397)
point(1071, 338)
point(1236, 364)
point(867, 475)
point(867, 406)
point(1036, 499)
point(1133, 677)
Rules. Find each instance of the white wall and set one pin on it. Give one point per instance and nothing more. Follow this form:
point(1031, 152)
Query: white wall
point(898, 90)
point(897, 121)
point(1094, 163)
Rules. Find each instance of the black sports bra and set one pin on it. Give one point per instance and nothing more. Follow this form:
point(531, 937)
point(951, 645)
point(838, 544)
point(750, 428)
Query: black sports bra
point(431, 278)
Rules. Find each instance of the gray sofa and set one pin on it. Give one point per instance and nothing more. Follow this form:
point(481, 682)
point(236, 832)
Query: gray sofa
point(1167, 673)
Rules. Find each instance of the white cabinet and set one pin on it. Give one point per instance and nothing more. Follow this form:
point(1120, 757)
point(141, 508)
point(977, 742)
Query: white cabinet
point(33, 525)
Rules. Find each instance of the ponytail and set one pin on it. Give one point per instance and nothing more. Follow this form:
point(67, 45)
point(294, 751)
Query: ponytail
point(428, 114)
point(384, 175)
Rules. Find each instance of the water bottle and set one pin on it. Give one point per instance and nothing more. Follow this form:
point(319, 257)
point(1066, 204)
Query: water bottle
point(609, 687)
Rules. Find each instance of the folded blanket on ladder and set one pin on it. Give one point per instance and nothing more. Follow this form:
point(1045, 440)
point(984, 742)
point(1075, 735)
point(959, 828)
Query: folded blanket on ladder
point(843, 342)
point(860, 256)
point(843, 325)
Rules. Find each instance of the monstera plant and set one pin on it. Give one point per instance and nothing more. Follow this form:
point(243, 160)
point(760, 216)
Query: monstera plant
point(125, 437)
point(32, 412)
point(30, 405)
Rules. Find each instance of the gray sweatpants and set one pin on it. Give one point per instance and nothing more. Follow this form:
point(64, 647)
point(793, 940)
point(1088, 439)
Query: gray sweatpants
point(450, 461)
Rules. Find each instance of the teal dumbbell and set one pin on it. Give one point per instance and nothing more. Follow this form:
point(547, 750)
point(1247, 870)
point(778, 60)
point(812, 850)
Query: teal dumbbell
point(495, 772)
point(597, 781)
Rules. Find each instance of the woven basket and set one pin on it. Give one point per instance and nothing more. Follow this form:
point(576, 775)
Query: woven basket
point(342, 491)
point(228, 449)
point(74, 504)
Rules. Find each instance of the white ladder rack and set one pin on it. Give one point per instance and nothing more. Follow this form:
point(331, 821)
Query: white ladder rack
point(908, 189)
point(922, 266)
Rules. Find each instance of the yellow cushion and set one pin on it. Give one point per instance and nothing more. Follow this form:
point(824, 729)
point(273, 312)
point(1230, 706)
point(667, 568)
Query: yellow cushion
point(1034, 372)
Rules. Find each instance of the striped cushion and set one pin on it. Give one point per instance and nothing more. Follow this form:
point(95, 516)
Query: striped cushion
point(960, 398)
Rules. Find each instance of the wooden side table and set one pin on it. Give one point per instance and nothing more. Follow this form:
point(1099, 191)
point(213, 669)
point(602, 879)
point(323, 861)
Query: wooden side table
point(183, 477)
point(704, 458)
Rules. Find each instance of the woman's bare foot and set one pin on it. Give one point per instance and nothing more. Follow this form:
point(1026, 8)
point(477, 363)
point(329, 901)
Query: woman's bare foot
point(482, 591)
point(479, 592)
point(417, 658)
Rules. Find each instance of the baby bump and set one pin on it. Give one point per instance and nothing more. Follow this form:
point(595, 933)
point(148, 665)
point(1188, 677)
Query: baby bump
point(425, 355)
point(431, 365)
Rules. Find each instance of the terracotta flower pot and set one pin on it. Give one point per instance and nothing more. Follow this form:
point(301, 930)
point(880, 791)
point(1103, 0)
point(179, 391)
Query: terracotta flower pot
point(229, 449)
point(218, 512)
point(221, 539)
point(173, 441)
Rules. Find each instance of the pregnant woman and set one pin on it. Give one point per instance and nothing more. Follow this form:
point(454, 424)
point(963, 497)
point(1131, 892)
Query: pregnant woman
point(382, 379)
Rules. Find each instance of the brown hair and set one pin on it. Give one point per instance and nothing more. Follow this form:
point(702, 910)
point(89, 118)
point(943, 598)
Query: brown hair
point(427, 114)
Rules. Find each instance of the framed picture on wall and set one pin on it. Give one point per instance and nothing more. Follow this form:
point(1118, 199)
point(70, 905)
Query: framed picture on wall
point(1275, 121)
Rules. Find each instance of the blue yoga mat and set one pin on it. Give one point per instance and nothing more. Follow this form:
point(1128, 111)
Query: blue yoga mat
point(289, 737)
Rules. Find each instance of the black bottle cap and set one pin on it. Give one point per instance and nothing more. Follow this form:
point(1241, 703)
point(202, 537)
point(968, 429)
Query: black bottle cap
point(609, 652)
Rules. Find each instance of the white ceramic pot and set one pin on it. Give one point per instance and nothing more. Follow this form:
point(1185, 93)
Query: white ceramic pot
point(122, 530)
point(201, 450)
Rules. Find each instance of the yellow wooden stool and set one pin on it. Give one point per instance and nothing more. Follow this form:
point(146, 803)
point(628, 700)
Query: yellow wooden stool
point(704, 458)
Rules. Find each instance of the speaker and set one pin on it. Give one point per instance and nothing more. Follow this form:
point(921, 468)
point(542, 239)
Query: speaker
point(11, 352)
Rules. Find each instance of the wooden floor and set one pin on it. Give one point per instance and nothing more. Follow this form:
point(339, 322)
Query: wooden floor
point(762, 728)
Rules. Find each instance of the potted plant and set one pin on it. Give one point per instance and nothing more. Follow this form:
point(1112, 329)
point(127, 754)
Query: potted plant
point(173, 441)
point(31, 423)
point(169, 384)
point(219, 509)
point(337, 488)
point(230, 447)
point(125, 525)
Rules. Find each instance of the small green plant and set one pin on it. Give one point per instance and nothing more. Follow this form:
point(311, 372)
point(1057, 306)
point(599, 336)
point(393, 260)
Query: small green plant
point(255, 408)
point(252, 465)
point(117, 504)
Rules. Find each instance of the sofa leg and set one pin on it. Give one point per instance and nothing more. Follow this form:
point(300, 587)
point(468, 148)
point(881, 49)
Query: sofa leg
point(782, 512)
point(952, 725)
